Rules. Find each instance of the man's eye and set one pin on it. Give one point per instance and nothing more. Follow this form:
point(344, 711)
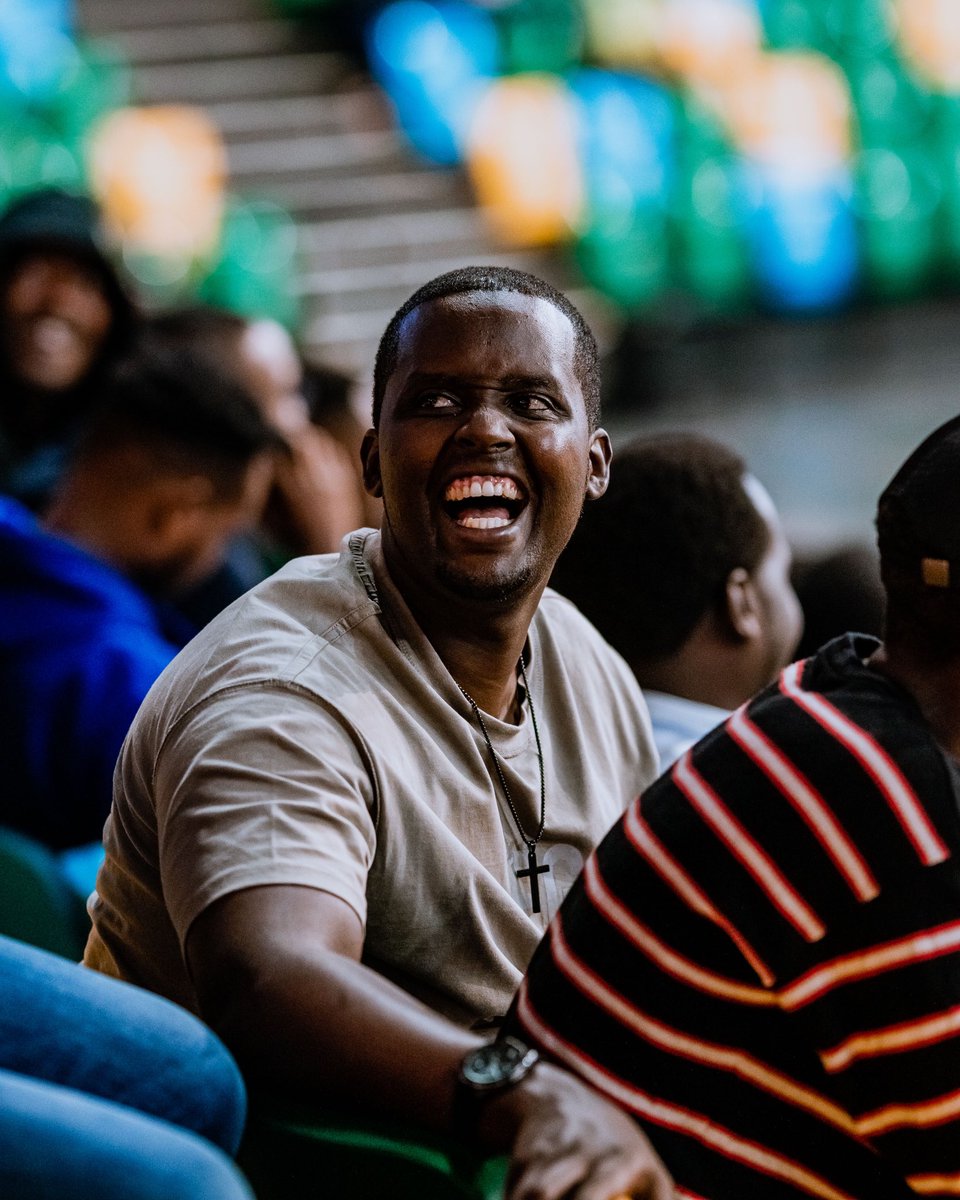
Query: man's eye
point(531, 402)
point(436, 401)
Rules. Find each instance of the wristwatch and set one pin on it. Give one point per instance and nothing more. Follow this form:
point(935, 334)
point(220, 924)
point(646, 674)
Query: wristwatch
point(487, 1072)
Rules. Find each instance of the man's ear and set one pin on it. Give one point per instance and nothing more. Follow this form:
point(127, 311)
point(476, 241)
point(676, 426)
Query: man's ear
point(742, 606)
point(600, 454)
point(370, 458)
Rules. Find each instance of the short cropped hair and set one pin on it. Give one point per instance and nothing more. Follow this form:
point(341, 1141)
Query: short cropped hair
point(652, 556)
point(191, 418)
point(493, 279)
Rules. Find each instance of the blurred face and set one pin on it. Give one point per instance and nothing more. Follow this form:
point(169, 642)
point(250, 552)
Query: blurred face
point(273, 373)
point(779, 606)
point(55, 319)
point(201, 542)
point(484, 452)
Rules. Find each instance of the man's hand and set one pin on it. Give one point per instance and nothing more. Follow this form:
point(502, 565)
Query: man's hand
point(278, 976)
point(565, 1140)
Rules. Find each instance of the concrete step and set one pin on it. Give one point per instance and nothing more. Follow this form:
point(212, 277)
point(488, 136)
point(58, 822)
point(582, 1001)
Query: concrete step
point(380, 231)
point(359, 109)
point(402, 278)
point(385, 259)
point(206, 40)
point(97, 17)
point(385, 239)
point(239, 78)
point(377, 192)
point(272, 157)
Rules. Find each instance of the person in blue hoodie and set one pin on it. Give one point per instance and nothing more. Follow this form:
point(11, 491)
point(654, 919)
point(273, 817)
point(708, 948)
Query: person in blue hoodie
point(175, 459)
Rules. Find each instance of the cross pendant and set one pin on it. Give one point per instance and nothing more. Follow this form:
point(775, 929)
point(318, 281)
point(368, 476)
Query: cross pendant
point(531, 871)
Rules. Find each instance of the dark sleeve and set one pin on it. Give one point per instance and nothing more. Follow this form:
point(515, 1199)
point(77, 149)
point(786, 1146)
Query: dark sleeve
point(698, 971)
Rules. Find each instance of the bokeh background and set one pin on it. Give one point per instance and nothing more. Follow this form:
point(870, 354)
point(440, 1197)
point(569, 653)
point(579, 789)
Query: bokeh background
point(756, 202)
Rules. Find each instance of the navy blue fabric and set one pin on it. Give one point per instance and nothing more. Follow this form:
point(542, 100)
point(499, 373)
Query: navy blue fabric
point(80, 646)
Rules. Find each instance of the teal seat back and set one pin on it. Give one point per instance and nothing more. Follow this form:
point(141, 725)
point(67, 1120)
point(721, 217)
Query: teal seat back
point(37, 904)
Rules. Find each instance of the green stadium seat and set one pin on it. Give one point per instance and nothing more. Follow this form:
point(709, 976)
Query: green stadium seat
point(37, 904)
point(296, 1152)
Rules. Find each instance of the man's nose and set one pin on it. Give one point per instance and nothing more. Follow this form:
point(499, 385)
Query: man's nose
point(486, 425)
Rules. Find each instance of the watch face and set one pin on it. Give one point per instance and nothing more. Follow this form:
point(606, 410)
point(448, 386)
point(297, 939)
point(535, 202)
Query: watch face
point(498, 1063)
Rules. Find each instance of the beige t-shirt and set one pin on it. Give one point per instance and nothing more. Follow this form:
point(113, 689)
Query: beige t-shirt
point(311, 735)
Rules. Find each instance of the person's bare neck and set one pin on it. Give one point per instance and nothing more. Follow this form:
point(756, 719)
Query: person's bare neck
point(703, 669)
point(935, 687)
point(484, 666)
point(479, 642)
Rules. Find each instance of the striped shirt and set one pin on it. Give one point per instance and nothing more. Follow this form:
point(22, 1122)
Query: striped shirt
point(761, 961)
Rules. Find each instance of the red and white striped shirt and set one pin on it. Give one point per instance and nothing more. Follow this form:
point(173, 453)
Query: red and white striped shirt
point(762, 960)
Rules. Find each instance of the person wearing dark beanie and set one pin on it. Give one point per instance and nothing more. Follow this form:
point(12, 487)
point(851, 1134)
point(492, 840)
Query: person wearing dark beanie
point(65, 315)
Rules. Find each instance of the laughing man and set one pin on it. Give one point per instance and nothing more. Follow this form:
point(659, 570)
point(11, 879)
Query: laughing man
point(346, 814)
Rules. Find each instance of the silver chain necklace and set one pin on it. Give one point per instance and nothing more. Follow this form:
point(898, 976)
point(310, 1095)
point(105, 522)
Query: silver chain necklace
point(533, 870)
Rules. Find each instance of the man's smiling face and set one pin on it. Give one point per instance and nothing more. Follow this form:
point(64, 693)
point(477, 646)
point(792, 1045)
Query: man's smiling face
point(484, 452)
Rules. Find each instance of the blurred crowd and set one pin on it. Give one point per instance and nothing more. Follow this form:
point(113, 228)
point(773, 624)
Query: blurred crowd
point(154, 465)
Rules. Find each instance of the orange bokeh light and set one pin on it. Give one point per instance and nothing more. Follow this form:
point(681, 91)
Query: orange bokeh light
point(929, 32)
point(160, 175)
point(522, 159)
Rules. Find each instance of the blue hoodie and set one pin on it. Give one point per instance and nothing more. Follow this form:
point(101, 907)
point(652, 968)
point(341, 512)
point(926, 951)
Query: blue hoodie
point(80, 646)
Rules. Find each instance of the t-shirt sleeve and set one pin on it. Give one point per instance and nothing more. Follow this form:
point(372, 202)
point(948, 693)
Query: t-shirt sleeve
point(261, 786)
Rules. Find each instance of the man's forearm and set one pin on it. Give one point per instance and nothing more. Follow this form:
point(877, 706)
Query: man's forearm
point(338, 1031)
point(279, 977)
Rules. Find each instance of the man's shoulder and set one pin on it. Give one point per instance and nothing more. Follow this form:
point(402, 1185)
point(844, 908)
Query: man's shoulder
point(831, 765)
point(585, 675)
point(272, 637)
point(561, 615)
point(837, 696)
point(78, 601)
point(567, 634)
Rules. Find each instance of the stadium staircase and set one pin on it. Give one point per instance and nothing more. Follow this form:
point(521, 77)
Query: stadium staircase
point(306, 128)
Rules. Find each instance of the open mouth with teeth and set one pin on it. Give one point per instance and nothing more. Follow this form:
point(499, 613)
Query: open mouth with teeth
point(483, 501)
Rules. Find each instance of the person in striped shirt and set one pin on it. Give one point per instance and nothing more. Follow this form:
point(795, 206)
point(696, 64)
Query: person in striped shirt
point(761, 961)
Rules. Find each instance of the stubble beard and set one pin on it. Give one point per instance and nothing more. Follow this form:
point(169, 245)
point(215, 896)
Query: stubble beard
point(501, 592)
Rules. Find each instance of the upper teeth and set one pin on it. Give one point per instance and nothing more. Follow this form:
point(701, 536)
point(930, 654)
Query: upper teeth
point(476, 486)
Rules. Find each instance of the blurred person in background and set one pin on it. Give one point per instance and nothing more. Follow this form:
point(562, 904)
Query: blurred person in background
point(173, 462)
point(65, 315)
point(316, 492)
point(684, 568)
point(839, 590)
point(340, 405)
